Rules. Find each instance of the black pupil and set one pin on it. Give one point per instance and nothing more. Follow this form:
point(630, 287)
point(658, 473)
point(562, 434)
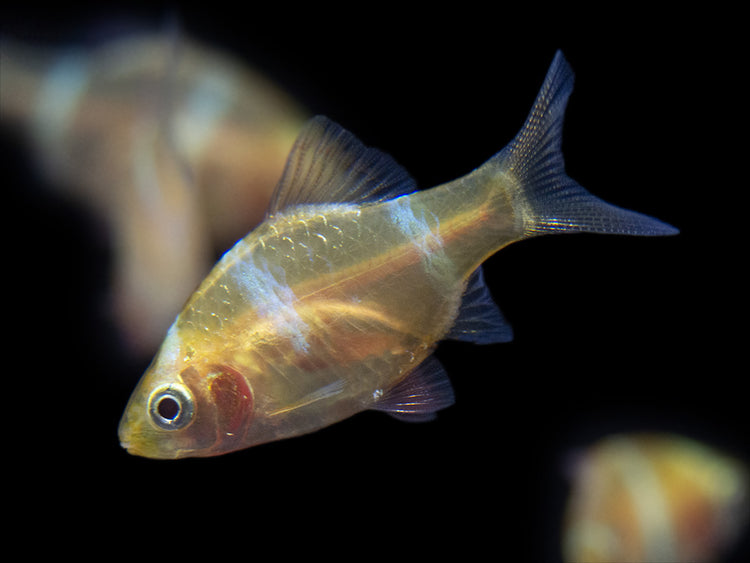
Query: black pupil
point(168, 408)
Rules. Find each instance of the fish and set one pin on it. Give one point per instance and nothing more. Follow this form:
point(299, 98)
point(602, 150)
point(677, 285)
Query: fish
point(653, 496)
point(335, 303)
point(173, 146)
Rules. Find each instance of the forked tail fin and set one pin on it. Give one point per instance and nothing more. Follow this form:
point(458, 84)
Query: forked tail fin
point(550, 201)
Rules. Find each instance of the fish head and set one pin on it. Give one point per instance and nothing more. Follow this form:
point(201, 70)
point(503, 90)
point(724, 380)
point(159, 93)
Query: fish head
point(185, 408)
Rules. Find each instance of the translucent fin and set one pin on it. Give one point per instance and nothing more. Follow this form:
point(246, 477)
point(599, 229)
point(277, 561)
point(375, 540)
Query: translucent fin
point(327, 164)
point(420, 395)
point(557, 203)
point(479, 319)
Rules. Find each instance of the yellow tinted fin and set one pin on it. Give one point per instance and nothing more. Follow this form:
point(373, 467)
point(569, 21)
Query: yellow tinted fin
point(327, 164)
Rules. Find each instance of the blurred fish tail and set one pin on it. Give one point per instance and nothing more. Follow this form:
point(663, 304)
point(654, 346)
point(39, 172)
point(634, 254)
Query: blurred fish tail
point(543, 195)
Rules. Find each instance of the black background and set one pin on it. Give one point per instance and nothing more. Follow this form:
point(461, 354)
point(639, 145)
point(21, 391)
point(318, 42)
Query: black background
point(612, 333)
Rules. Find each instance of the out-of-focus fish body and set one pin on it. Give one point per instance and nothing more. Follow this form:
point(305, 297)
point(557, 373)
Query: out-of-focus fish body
point(334, 304)
point(175, 147)
point(654, 497)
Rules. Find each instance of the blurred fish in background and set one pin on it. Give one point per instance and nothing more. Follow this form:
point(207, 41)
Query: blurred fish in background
point(654, 497)
point(174, 147)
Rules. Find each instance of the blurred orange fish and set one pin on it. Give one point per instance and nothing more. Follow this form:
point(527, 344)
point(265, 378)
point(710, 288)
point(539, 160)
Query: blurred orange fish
point(654, 497)
point(335, 303)
point(176, 147)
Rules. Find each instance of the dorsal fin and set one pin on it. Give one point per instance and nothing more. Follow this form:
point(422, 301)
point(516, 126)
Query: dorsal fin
point(479, 319)
point(327, 164)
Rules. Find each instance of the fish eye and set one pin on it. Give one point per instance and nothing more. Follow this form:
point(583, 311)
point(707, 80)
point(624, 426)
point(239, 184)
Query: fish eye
point(171, 407)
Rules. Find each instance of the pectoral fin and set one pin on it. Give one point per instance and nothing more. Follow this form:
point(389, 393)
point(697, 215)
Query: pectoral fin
point(420, 395)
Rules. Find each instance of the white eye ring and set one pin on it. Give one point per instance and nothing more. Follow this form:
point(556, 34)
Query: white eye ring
point(170, 406)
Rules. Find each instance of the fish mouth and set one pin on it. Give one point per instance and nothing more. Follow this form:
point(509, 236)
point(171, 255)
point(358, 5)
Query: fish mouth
point(125, 435)
point(133, 447)
point(132, 442)
point(124, 444)
point(136, 443)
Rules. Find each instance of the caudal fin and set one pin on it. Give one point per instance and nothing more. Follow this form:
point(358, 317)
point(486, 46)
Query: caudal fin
point(553, 202)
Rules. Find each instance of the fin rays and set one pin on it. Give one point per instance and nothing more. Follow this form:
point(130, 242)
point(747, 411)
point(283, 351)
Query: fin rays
point(328, 164)
point(558, 204)
point(420, 395)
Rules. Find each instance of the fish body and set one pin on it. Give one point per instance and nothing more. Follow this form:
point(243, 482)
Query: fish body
point(175, 147)
point(335, 303)
point(654, 497)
